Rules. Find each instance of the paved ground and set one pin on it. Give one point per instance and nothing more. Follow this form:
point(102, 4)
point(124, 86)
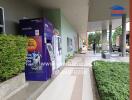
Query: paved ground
point(75, 81)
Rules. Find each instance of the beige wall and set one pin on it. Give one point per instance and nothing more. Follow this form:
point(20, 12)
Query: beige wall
point(15, 10)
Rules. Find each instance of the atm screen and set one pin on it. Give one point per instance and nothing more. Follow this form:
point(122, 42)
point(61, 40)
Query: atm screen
point(49, 48)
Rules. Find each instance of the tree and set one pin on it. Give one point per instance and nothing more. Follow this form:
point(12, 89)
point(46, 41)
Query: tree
point(94, 37)
point(118, 32)
point(97, 37)
point(90, 38)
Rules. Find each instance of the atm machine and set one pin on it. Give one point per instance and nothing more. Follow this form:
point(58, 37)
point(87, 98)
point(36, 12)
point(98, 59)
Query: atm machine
point(57, 51)
point(40, 60)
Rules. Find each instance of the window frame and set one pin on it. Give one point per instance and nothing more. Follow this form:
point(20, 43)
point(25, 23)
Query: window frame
point(3, 20)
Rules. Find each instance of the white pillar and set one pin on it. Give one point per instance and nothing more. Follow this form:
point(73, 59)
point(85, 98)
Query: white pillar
point(123, 36)
point(104, 40)
point(110, 36)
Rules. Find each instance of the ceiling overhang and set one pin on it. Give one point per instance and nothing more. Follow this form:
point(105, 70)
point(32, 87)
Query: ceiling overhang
point(101, 9)
point(100, 14)
point(101, 25)
point(75, 11)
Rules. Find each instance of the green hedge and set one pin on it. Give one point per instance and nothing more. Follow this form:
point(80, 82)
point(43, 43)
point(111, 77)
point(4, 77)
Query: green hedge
point(112, 80)
point(12, 55)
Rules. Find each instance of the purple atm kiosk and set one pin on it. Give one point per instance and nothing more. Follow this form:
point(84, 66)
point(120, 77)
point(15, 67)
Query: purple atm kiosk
point(38, 63)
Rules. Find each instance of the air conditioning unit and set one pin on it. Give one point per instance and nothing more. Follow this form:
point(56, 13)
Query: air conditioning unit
point(2, 21)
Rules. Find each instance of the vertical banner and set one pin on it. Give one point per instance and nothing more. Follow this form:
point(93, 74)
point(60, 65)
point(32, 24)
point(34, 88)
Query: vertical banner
point(35, 68)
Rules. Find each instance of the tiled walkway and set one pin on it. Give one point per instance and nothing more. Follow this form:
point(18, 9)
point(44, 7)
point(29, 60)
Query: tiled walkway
point(71, 84)
point(75, 82)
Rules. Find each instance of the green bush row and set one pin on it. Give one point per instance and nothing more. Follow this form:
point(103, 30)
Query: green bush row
point(112, 80)
point(12, 55)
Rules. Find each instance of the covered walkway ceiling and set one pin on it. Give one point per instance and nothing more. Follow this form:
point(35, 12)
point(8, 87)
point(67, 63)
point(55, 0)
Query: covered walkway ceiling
point(75, 11)
point(100, 13)
point(99, 25)
point(86, 15)
point(101, 9)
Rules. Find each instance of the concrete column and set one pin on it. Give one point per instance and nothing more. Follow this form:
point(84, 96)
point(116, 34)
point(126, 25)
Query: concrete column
point(87, 41)
point(78, 41)
point(123, 36)
point(110, 36)
point(104, 40)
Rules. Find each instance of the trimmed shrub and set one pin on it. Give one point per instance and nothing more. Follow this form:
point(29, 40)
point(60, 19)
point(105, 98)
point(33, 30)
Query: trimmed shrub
point(69, 56)
point(12, 55)
point(112, 80)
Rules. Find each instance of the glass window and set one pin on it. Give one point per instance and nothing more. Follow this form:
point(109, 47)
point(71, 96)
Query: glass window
point(69, 45)
point(1, 16)
point(2, 26)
